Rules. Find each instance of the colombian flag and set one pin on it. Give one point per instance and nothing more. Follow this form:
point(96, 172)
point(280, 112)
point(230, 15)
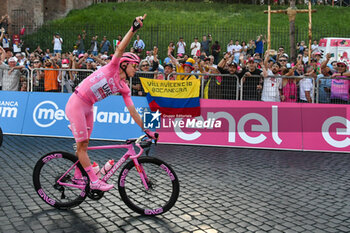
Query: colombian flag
point(177, 98)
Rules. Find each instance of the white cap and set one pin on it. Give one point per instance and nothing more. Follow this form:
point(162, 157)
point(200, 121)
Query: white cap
point(13, 59)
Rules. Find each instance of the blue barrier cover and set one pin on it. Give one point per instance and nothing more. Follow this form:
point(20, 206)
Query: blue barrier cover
point(12, 111)
point(45, 115)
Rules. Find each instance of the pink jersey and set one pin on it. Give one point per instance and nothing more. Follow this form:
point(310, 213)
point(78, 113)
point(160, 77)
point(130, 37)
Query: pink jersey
point(104, 82)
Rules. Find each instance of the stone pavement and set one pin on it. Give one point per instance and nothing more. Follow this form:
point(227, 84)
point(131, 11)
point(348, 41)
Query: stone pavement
point(222, 190)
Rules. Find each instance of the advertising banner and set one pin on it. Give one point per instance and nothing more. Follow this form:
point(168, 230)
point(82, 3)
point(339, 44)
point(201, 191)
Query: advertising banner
point(12, 110)
point(45, 115)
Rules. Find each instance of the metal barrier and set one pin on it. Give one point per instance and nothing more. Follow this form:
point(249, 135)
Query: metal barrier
point(37, 83)
point(333, 90)
point(271, 88)
point(225, 87)
point(142, 74)
point(18, 80)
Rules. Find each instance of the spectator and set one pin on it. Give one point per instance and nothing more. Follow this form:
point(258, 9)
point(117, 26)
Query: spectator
point(259, 43)
point(139, 45)
point(120, 38)
point(66, 78)
point(105, 45)
point(168, 69)
point(205, 44)
point(195, 47)
point(57, 43)
point(4, 22)
point(340, 88)
point(50, 78)
point(215, 51)
point(94, 46)
point(301, 47)
point(181, 46)
point(136, 87)
point(38, 76)
point(251, 80)
point(324, 91)
point(237, 49)
point(306, 56)
point(80, 43)
point(251, 48)
point(272, 87)
point(289, 88)
point(314, 47)
point(230, 47)
point(187, 67)
point(10, 73)
point(306, 89)
point(16, 47)
point(229, 83)
point(244, 49)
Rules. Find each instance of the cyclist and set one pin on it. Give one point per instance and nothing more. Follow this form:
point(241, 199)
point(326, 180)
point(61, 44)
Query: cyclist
point(107, 80)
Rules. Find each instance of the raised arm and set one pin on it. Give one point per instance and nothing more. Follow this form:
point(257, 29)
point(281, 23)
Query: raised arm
point(137, 24)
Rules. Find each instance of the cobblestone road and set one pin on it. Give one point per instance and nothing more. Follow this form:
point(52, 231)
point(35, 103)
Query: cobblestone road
point(222, 190)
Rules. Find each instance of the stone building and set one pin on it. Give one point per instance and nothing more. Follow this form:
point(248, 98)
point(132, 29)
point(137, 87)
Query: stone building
point(33, 13)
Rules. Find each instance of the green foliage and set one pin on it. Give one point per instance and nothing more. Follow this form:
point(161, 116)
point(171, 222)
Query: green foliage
point(166, 21)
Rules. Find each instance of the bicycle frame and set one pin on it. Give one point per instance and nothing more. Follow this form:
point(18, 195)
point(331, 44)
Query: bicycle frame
point(129, 154)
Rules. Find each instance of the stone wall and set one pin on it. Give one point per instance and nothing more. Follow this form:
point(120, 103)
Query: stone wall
point(32, 13)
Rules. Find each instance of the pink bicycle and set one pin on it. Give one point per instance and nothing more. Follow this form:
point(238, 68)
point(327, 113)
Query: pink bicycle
point(147, 185)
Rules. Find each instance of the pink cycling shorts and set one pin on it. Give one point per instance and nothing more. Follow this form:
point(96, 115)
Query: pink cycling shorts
point(81, 117)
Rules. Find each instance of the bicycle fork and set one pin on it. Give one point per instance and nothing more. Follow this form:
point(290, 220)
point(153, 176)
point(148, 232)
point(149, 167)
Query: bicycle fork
point(142, 173)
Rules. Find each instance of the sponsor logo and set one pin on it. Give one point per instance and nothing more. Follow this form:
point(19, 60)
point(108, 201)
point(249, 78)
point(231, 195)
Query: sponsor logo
point(48, 200)
point(165, 168)
point(151, 120)
point(46, 113)
point(153, 212)
point(52, 156)
point(339, 131)
point(8, 109)
point(122, 178)
point(211, 122)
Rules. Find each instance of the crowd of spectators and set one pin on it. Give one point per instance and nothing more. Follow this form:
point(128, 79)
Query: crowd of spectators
point(254, 74)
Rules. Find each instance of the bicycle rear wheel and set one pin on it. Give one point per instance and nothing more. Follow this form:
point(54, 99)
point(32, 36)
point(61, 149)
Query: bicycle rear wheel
point(163, 186)
point(52, 167)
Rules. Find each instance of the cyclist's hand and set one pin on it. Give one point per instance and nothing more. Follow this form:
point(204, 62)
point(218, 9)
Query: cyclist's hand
point(151, 134)
point(138, 23)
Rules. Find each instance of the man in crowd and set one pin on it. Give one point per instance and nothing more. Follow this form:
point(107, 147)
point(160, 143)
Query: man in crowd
point(229, 83)
point(80, 43)
point(251, 80)
point(195, 47)
point(50, 79)
point(57, 43)
point(205, 44)
point(105, 45)
point(11, 73)
point(139, 45)
point(181, 46)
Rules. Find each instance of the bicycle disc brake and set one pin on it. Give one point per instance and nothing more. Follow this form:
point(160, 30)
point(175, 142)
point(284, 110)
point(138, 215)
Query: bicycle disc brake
point(95, 194)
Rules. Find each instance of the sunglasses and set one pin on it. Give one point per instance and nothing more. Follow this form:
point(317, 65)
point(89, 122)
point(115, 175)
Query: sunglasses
point(37, 62)
point(283, 60)
point(341, 66)
point(145, 65)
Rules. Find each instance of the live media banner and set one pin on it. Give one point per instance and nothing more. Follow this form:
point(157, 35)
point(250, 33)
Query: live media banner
point(319, 127)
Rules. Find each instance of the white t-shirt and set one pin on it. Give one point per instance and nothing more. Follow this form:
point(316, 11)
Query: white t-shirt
point(193, 49)
point(230, 48)
point(57, 45)
point(306, 85)
point(236, 49)
point(271, 88)
point(305, 59)
point(314, 48)
point(181, 47)
point(5, 43)
point(16, 49)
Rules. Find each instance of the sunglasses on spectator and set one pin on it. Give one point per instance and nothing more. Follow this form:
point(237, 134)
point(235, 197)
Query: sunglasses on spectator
point(341, 66)
point(144, 65)
point(283, 60)
point(36, 61)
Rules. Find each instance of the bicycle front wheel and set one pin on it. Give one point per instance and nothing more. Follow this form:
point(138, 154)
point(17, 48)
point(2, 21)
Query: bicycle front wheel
point(163, 186)
point(59, 166)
